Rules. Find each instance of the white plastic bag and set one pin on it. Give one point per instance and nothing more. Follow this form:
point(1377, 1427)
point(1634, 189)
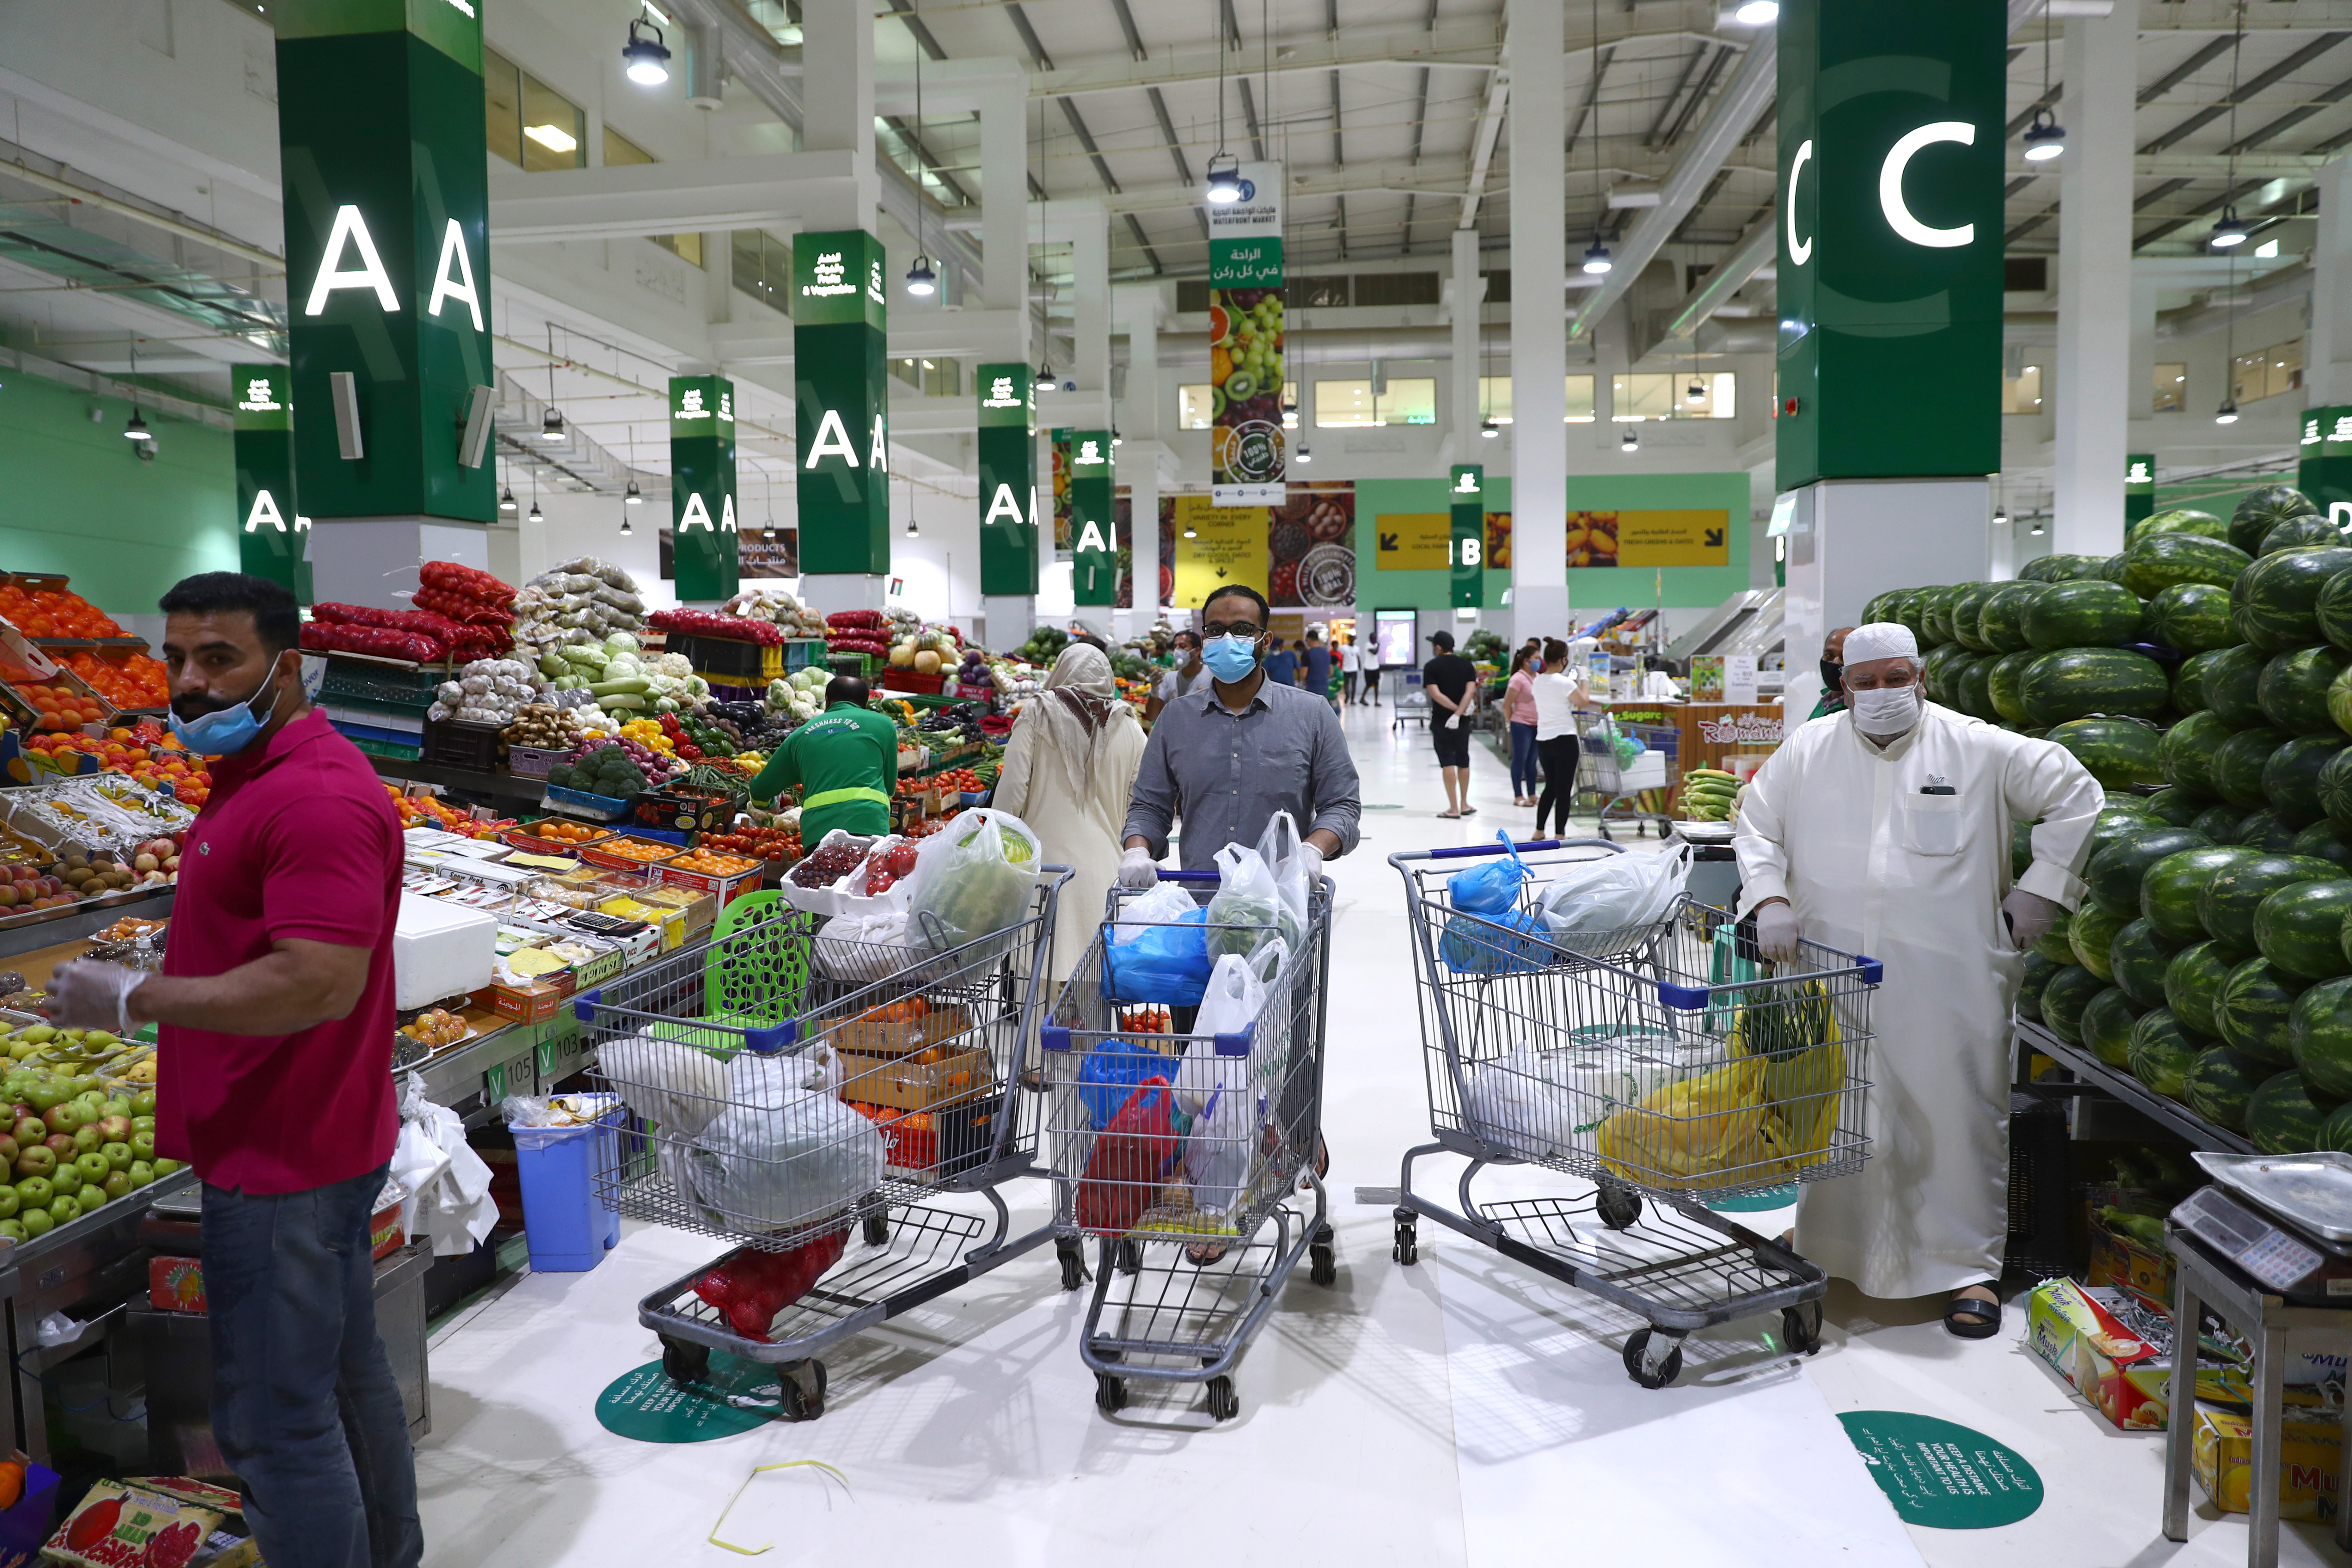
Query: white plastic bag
point(785, 1150)
point(1226, 1102)
point(973, 879)
point(1165, 904)
point(1511, 1103)
point(677, 1086)
point(448, 1185)
point(1604, 906)
point(1261, 892)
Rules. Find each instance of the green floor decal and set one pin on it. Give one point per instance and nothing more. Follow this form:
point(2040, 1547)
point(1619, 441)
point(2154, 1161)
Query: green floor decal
point(646, 1405)
point(1941, 1474)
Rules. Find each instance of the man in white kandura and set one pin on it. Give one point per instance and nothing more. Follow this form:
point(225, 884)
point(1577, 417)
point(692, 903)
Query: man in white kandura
point(1884, 830)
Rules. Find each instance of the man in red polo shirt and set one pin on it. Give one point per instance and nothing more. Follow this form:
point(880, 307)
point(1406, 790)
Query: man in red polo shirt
point(276, 1014)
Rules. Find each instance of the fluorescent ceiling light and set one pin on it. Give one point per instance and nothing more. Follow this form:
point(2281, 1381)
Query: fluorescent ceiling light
point(554, 138)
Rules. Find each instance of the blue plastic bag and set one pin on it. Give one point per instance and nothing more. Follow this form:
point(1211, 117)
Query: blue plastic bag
point(1168, 964)
point(1510, 942)
point(1111, 1072)
point(1488, 888)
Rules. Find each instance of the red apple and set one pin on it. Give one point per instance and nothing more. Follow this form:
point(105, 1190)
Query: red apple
point(29, 1128)
point(61, 1144)
point(114, 1129)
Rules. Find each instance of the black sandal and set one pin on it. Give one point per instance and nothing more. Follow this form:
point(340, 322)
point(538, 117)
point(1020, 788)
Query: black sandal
point(1967, 1318)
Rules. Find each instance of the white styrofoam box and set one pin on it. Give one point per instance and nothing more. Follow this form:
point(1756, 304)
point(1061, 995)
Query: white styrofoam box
point(440, 949)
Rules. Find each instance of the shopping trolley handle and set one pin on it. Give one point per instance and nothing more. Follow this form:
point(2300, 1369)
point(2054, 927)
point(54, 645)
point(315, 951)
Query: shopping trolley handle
point(1459, 851)
point(1168, 875)
point(583, 1006)
point(1691, 998)
point(769, 1042)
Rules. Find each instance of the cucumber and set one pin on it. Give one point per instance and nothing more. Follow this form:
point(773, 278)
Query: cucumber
point(630, 685)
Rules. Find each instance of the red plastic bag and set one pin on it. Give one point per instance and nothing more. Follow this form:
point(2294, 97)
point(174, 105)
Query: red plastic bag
point(1133, 1155)
point(750, 1287)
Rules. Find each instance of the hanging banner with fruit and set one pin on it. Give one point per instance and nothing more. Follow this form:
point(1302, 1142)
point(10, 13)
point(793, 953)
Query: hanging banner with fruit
point(1311, 547)
point(1061, 443)
point(1246, 362)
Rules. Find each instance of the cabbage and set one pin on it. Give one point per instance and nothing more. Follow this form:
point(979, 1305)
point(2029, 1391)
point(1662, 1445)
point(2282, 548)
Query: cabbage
point(623, 642)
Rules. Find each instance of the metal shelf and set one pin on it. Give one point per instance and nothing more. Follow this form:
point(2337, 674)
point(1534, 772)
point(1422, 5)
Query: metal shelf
point(2170, 1114)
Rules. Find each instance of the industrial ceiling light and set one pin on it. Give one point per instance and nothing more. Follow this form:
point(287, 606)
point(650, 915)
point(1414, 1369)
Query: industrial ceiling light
point(1596, 257)
point(1224, 179)
point(505, 499)
point(922, 281)
point(537, 515)
point(1191, 533)
point(1488, 429)
point(632, 496)
point(551, 428)
point(2044, 139)
point(1631, 443)
point(1305, 455)
point(649, 59)
point(2036, 529)
point(2001, 517)
point(912, 532)
point(2231, 231)
point(1044, 380)
point(2228, 413)
point(768, 534)
point(1695, 393)
point(137, 428)
point(626, 530)
point(1758, 13)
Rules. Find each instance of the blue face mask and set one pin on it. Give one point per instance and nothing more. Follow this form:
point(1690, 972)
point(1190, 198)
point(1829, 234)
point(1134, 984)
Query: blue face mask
point(1231, 659)
point(229, 730)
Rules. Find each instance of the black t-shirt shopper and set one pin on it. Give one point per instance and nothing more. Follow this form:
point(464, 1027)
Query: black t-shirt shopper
point(1449, 673)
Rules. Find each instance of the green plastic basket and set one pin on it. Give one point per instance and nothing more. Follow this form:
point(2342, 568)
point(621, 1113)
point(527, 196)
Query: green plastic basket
point(757, 969)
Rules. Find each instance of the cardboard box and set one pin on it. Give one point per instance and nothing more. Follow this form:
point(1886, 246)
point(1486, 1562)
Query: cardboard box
point(530, 1003)
point(2310, 1460)
point(725, 890)
point(2060, 1315)
point(602, 854)
point(906, 1084)
point(876, 1037)
point(119, 1525)
point(25, 1524)
point(2119, 1260)
point(175, 1285)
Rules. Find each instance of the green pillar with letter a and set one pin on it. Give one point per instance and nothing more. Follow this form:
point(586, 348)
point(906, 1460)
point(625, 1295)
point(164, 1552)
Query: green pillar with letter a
point(270, 535)
point(2324, 470)
point(1008, 481)
point(704, 537)
point(840, 319)
point(1467, 551)
point(2139, 490)
point(1890, 250)
point(1094, 552)
point(384, 163)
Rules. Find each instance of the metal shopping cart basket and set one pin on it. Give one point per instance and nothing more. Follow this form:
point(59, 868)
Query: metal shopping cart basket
point(1179, 1153)
point(801, 1095)
point(1663, 1064)
point(1616, 784)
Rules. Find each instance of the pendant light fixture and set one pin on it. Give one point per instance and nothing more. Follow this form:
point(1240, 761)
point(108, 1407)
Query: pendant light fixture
point(626, 530)
point(1758, 13)
point(913, 531)
point(1304, 456)
point(537, 515)
point(136, 430)
point(505, 499)
point(1596, 255)
point(649, 59)
point(2036, 529)
point(1631, 443)
point(2230, 233)
point(2044, 139)
point(632, 496)
point(551, 423)
point(1225, 169)
point(922, 282)
point(768, 530)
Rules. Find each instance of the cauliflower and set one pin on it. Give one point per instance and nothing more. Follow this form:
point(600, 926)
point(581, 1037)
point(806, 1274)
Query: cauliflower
point(676, 664)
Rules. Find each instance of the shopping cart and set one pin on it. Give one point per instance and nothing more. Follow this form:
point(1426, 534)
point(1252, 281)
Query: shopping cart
point(1196, 1236)
point(801, 1096)
point(1615, 783)
point(1666, 1065)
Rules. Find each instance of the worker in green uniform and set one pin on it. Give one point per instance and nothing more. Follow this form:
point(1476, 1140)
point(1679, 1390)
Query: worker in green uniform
point(846, 763)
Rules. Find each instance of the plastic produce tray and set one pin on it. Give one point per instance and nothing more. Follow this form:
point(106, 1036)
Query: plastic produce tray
point(460, 744)
point(590, 807)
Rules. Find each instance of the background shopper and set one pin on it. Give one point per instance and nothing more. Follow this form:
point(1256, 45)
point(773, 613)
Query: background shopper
point(1281, 663)
point(1558, 693)
point(1348, 655)
point(275, 1009)
point(1069, 766)
point(1317, 660)
point(1187, 675)
point(1368, 665)
point(1832, 698)
point(1519, 710)
point(1451, 682)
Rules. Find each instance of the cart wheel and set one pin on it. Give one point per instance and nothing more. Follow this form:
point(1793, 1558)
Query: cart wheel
point(1323, 1265)
point(1223, 1403)
point(802, 1387)
point(1617, 1207)
point(1131, 1256)
point(1073, 1263)
point(1639, 1363)
point(1110, 1393)
point(1407, 1249)
point(877, 1230)
point(685, 1363)
point(1800, 1327)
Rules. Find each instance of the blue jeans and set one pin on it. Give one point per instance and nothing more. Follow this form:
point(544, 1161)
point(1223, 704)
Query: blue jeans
point(304, 1405)
point(1525, 781)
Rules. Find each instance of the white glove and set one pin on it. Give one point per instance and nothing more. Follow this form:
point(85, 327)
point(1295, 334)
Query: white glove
point(86, 994)
point(1776, 932)
point(1137, 869)
point(1312, 858)
point(1454, 722)
point(2031, 916)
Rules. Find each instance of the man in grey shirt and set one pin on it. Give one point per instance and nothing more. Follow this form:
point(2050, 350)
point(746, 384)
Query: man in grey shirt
point(1228, 757)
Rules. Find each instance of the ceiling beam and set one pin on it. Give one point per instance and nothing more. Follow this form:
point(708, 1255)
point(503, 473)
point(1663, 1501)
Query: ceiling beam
point(1481, 147)
point(1463, 46)
point(2184, 69)
point(1760, 244)
point(2292, 118)
point(2246, 89)
point(1666, 107)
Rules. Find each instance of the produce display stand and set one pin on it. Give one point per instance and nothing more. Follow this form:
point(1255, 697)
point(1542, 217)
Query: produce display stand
point(2093, 1074)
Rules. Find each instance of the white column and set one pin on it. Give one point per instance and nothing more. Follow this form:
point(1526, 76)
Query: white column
point(2140, 386)
point(1004, 209)
point(2327, 357)
point(1469, 291)
point(1136, 307)
point(1538, 127)
point(837, 105)
point(1090, 288)
point(2094, 196)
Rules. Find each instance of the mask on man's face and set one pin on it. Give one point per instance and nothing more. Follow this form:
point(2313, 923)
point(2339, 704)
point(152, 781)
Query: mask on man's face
point(1231, 659)
point(1886, 711)
point(1833, 677)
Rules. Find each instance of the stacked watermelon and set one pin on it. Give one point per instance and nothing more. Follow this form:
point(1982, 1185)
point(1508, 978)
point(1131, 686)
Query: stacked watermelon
point(2204, 677)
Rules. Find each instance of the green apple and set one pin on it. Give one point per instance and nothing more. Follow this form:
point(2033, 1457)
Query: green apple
point(93, 1167)
point(118, 1106)
point(9, 1203)
point(143, 1103)
point(118, 1157)
point(34, 1192)
point(143, 1145)
point(141, 1173)
point(142, 1124)
point(9, 1150)
point(87, 1139)
point(13, 1230)
point(91, 1197)
point(64, 1116)
point(65, 1210)
point(30, 1130)
point(39, 1160)
point(165, 1167)
point(37, 1222)
point(117, 1184)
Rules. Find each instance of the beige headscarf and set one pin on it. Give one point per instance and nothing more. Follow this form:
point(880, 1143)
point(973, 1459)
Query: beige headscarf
point(1078, 701)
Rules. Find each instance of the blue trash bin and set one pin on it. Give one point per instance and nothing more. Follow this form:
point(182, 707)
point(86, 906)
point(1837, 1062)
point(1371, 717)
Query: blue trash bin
point(568, 1226)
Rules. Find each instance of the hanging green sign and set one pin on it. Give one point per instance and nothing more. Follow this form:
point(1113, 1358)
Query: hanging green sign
point(839, 322)
point(1008, 480)
point(271, 537)
point(1467, 550)
point(2139, 489)
point(1941, 1474)
point(2325, 469)
point(646, 1405)
point(1890, 266)
point(383, 161)
point(1093, 559)
point(704, 538)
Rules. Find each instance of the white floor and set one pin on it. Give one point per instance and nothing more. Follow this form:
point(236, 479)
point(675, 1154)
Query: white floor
point(1463, 1411)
